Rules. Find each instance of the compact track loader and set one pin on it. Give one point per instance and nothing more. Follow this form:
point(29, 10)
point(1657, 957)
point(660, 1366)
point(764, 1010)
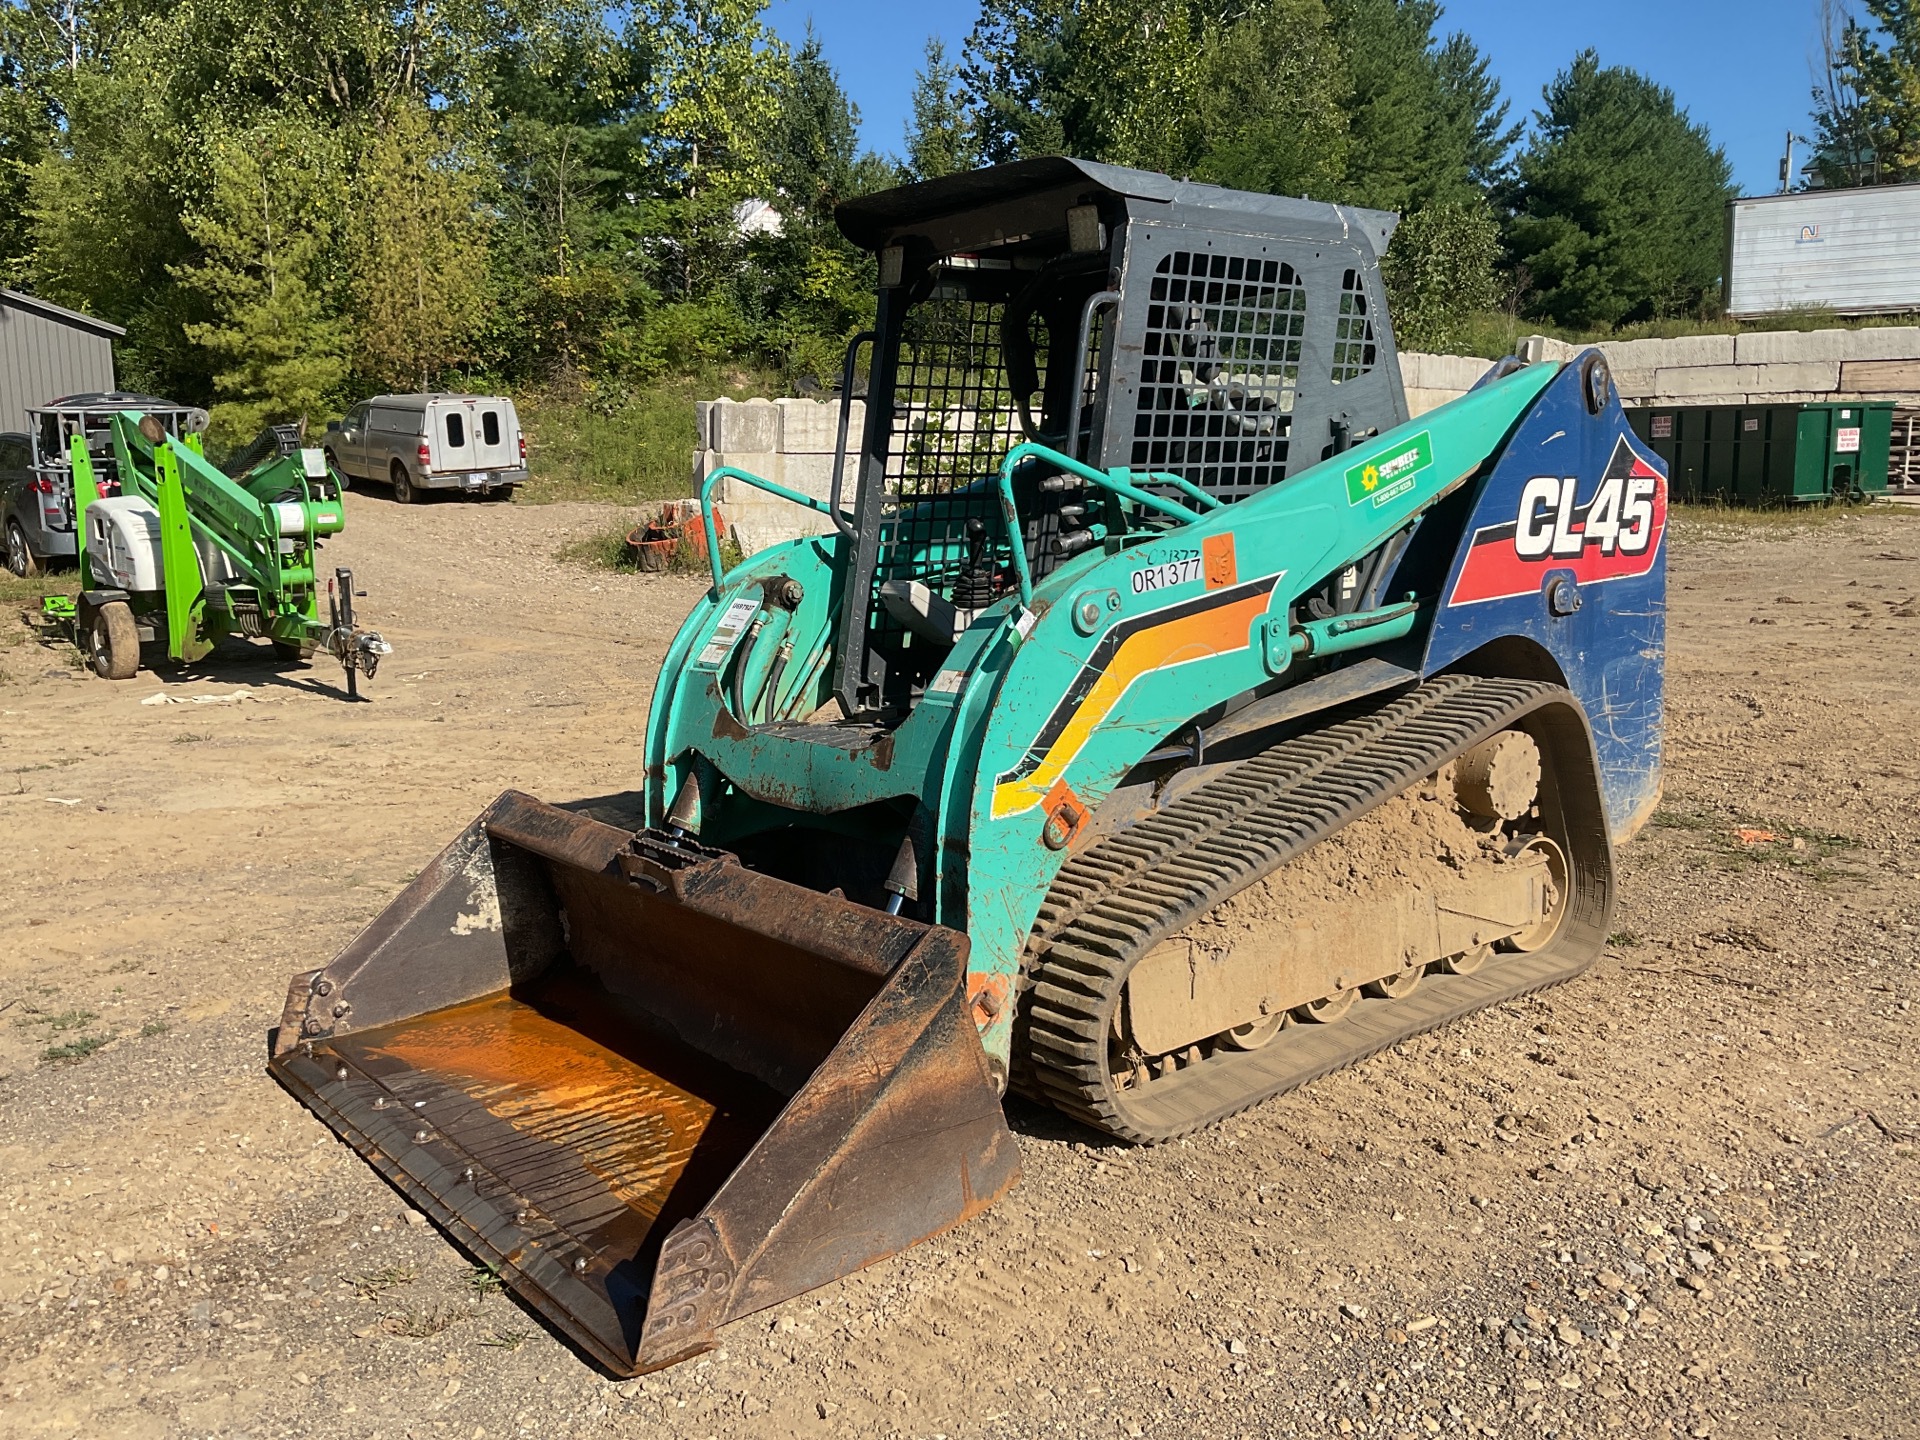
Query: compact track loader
point(1164, 720)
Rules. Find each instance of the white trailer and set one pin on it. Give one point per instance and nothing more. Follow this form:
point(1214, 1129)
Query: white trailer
point(1854, 252)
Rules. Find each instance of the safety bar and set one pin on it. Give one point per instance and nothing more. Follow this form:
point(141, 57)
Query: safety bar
point(1109, 480)
point(847, 369)
point(749, 478)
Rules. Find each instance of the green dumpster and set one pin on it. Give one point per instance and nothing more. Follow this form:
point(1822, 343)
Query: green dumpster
point(1770, 454)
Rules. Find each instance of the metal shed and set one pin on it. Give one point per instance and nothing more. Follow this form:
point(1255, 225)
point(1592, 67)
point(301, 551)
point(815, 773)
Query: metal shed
point(47, 351)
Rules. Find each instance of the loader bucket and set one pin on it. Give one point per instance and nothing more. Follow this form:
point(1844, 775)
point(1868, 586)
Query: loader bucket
point(655, 1090)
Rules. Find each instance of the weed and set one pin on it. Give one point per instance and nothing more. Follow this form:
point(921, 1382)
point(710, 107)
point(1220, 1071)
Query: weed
point(630, 447)
point(1623, 939)
point(607, 549)
point(189, 737)
point(506, 1339)
point(65, 1020)
point(74, 1049)
point(1743, 841)
point(1668, 817)
point(126, 967)
point(483, 1280)
point(377, 1282)
point(30, 591)
point(421, 1323)
point(153, 1028)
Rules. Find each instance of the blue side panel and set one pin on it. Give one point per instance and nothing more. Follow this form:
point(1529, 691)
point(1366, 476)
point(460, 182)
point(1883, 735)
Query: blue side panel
point(1566, 548)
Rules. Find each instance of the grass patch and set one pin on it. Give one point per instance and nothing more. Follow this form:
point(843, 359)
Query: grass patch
point(63, 1020)
point(1493, 333)
point(1713, 522)
point(35, 588)
point(484, 1280)
point(506, 1339)
point(153, 1028)
point(423, 1322)
point(1745, 842)
point(376, 1283)
point(73, 1049)
point(626, 448)
point(191, 737)
point(607, 549)
point(1623, 939)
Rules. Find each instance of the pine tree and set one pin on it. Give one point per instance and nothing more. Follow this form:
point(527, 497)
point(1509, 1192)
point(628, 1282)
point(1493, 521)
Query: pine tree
point(940, 139)
point(420, 278)
point(1619, 201)
point(1016, 74)
point(1868, 110)
point(1273, 104)
point(1473, 112)
point(262, 232)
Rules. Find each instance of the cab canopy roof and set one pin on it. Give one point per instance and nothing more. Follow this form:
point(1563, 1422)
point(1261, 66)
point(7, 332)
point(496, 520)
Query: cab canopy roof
point(428, 397)
point(1028, 201)
point(111, 400)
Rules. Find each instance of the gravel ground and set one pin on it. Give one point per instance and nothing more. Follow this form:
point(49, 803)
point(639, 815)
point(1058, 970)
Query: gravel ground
point(1674, 1197)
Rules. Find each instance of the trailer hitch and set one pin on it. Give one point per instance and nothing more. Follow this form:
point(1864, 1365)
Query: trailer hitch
point(358, 651)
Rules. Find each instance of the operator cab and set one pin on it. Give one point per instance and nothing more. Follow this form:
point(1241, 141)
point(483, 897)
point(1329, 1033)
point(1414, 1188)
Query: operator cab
point(1124, 320)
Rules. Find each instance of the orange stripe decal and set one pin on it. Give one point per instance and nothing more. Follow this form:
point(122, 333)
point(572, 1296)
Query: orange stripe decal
point(1219, 630)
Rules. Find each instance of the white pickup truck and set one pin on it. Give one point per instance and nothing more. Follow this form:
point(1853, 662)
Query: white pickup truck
point(470, 443)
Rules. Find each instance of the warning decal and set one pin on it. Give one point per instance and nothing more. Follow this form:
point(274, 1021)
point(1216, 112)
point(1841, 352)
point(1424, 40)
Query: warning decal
point(1614, 534)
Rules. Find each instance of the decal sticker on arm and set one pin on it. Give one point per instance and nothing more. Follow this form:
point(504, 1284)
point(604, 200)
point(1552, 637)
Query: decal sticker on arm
point(1614, 535)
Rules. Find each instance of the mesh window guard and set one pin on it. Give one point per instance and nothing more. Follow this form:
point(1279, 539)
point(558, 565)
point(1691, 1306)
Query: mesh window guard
point(1353, 349)
point(954, 419)
point(1221, 371)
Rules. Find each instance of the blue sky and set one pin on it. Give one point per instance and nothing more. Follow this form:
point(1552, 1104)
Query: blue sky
point(1741, 68)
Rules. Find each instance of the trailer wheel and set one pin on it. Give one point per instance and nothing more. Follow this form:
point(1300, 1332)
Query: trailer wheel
point(19, 554)
point(402, 484)
point(291, 650)
point(115, 641)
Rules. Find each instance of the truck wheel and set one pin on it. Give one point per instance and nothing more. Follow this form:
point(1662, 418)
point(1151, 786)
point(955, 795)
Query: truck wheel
point(115, 641)
point(19, 555)
point(333, 464)
point(402, 484)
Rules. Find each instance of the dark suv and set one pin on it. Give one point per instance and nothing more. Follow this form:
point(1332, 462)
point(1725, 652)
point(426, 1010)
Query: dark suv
point(36, 476)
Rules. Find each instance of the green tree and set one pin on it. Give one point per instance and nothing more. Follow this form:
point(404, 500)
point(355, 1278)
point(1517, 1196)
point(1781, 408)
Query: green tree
point(716, 79)
point(1273, 103)
point(277, 356)
point(1016, 73)
point(1440, 271)
point(1472, 112)
point(1400, 152)
point(1135, 81)
point(1619, 201)
point(807, 288)
point(940, 138)
point(420, 276)
point(1867, 109)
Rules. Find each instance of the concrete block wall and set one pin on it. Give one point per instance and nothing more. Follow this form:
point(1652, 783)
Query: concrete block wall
point(790, 442)
point(1764, 368)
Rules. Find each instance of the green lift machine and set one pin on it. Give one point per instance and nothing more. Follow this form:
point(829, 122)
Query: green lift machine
point(186, 554)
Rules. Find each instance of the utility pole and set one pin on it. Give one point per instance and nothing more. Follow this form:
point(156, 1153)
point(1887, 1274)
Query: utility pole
point(1786, 166)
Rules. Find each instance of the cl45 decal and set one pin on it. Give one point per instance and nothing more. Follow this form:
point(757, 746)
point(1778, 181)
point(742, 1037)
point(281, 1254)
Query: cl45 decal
point(1614, 535)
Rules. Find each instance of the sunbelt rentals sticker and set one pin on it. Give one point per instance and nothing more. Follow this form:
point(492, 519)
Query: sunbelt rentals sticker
point(1389, 476)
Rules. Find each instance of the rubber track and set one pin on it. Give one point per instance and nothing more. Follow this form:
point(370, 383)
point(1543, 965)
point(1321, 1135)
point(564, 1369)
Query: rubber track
point(1110, 905)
